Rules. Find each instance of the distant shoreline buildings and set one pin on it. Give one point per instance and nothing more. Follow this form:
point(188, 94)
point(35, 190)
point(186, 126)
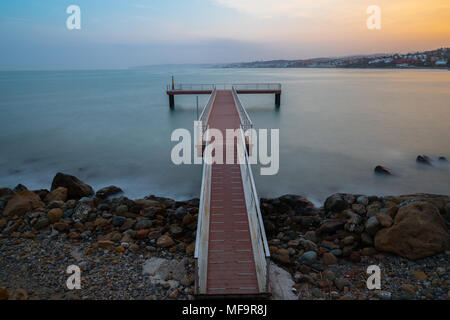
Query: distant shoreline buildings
point(439, 58)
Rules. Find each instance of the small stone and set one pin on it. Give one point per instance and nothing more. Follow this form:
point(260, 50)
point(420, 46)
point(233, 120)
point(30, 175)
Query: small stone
point(317, 293)
point(164, 241)
point(55, 215)
point(118, 220)
point(311, 236)
point(368, 251)
point(143, 224)
point(61, 226)
point(420, 275)
point(142, 234)
point(122, 209)
point(355, 257)
point(329, 258)
point(363, 200)
point(106, 244)
point(308, 257)
point(120, 249)
point(341, 283)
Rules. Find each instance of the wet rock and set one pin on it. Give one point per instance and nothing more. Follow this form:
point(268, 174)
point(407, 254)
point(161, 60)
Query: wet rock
point(76, 189)
point(419, 231)
point(382, 170)
point(21, 203)
point(106, 192)
point(442, 158)
point(335, 203)
point(19, 188)
point(423, 159)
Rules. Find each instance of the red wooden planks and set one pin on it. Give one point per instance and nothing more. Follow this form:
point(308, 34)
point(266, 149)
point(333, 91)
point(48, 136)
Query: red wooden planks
point(231, 265)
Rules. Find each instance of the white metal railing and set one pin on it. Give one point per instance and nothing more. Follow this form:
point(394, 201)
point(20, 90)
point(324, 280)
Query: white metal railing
point(259, 240)
point(191, 86)
point(206, 110)
point(225, 86)
point(201, 240)
point(246, 122)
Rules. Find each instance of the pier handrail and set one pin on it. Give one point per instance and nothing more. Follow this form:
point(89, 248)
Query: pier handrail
point(253, 199)
point(245, 118)
point(224, 86)
point(205, 113)
point(203, 213)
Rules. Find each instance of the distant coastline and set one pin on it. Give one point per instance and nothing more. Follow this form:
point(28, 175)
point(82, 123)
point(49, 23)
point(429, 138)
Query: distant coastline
point(435, 59)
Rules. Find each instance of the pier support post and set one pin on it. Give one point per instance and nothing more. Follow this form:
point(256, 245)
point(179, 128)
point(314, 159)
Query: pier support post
point(172, 100)
point(277, 100)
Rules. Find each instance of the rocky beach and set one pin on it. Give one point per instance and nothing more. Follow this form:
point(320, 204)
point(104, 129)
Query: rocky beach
point(143, 248)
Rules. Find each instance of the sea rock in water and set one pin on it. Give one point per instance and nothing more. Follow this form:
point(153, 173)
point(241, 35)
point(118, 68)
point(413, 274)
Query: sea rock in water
point(442, 158)
point(76, 189)
point(383, 170)
point(21, 203)
point(423, 159)
point(419, 231)
point(108, 191)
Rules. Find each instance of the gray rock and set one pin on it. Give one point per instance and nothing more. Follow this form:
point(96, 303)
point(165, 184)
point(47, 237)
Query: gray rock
point(341, 283)
point(143, 224)
point(81, 212)
point(372, 225)
point(308, 257)
point(363, 200)
point(118, 220)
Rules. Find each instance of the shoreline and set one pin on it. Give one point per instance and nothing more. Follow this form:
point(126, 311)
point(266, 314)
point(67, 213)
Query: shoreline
point(321, 252)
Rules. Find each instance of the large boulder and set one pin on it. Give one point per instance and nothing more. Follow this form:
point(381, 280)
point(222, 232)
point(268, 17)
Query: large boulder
point(21, 203)
point(336, 203)
point(419, 231)
point(108, 191)
point(76, 189)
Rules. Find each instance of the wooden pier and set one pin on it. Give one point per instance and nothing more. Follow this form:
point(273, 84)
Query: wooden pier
point(231, 251)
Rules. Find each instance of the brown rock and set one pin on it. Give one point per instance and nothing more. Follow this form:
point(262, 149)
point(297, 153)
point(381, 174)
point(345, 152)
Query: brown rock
point(142, 234)
point(22, 203)
point(331, 225)
point(328, 258)
point(108, 191)
point(106, 244)
point(59, 194)
point(283, 259)
point(61, 226)
point(76, 188)
point(4, 294)
point(164, 241)
point(419, 231)
point(384, 220)
point(55, 214)
point(355, 257)
point(120, 249)
point(3, 223)
point(420, 275)
point(187, 219)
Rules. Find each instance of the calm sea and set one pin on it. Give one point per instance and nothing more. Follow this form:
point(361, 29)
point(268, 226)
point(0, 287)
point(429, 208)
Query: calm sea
point(114, 127)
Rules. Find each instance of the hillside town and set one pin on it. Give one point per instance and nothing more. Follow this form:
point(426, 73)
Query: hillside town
point(428, 59)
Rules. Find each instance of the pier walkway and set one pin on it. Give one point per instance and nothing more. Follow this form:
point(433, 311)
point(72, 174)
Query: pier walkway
point(231, 252)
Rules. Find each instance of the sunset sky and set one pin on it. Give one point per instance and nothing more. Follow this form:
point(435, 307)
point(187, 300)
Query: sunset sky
point(124, 33)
